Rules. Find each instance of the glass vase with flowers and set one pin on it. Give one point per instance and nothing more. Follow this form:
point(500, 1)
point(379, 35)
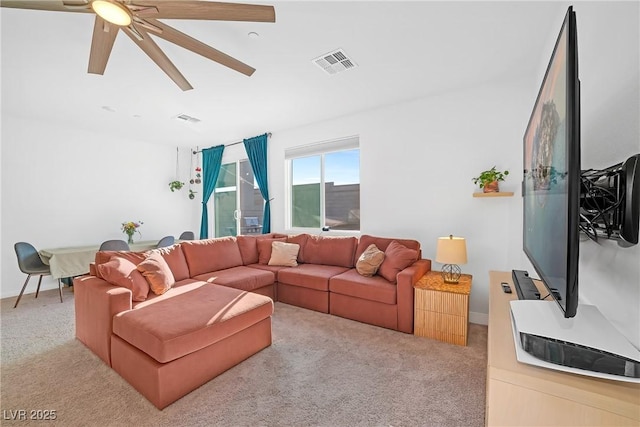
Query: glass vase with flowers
point(130, 228)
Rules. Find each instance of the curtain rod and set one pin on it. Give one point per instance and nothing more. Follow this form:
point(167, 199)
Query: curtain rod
point(229, 145)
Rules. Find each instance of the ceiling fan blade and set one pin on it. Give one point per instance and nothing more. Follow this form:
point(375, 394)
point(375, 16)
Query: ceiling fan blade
point(215, 11)
point(104, 35)
point(153, 51)
point(174, 36)
point(54, 5)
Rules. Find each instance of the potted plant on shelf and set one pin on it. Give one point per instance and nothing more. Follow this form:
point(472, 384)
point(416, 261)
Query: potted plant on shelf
point(175, 185)
point(488, 180)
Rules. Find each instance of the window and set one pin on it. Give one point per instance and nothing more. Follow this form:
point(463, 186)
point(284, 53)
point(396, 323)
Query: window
point(325, 185)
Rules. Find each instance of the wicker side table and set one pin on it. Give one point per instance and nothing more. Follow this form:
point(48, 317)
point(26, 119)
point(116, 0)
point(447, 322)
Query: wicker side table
point(441, 310)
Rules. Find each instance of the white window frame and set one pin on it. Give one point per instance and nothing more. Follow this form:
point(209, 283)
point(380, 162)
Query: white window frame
point(316, 149)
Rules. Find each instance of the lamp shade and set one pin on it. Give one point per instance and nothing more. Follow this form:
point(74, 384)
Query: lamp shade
point(451, 250)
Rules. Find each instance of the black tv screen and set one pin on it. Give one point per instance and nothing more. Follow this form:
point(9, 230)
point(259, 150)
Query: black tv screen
point(551, 186)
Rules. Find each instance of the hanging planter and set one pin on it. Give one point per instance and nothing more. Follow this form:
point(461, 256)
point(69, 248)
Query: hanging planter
point(192, 180)
point(175, 185)
point(198, 170)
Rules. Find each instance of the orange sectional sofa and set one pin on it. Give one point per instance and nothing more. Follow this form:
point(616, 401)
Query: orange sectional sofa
point(171, 319)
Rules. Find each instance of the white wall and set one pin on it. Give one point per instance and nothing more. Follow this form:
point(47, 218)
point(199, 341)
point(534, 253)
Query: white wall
point(417, 160)
point(63, 187)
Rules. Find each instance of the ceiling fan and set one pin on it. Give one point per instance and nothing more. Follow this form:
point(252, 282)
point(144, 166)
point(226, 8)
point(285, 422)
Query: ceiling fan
point(138, 19)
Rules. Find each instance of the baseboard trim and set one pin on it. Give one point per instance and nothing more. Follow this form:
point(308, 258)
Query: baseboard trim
point(479, 318)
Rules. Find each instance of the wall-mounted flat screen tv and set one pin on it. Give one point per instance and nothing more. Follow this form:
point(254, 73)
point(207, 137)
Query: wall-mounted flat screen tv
point(551, 187)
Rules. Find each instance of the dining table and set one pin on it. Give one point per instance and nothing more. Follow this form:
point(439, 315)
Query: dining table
point(74, 261)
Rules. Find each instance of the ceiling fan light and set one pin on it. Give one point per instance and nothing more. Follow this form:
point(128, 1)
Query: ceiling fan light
point(112, 12)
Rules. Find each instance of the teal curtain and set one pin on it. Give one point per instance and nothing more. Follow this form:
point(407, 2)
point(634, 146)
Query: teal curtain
point(211, 162)
point(257, 151)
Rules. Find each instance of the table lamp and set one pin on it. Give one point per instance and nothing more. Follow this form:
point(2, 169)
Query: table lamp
point(451, 251)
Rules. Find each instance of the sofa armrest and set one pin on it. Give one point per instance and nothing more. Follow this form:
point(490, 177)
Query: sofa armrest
point(96, 302)
point(406, 279)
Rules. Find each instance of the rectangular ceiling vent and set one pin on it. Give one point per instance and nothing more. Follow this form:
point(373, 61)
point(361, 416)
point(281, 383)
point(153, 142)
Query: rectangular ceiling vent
point(334, 62)
point(187, 118)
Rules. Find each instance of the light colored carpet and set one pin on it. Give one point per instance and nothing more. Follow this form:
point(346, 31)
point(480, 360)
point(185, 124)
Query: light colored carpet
point(321, 370)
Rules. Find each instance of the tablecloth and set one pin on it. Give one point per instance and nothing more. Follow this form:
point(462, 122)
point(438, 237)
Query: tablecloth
point(74, 261)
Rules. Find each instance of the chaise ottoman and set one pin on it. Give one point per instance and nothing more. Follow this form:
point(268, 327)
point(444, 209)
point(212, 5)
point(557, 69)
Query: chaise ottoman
point(169, 348)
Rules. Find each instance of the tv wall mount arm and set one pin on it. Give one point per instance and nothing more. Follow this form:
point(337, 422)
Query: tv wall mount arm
point(609, 202)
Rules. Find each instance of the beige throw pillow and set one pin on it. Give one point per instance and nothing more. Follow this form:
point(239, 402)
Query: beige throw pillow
point(370, 261)
point(264, 248)
point(284, 254)
point(157, 273)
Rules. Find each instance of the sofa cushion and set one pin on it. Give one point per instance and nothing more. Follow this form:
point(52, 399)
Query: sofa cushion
point(264, 248)
point(243, 278)
point(174, 257)
point(311, 276)
point(374, 288)
point(180, 287)
point(370, 260)
point(190, 321)
point(157, 273)
point(284, 254)
point(382, 243)
point(248, 249)
point(299, 239)
point(105, 256)
point(336, 251)
point(248, 246)
point(397, 257)
point(204, 256)
point(122, 272)
point(272, 268)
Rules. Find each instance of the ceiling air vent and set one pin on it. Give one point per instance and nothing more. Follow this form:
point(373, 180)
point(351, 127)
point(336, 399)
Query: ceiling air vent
point(334, 62)
point(187, 118)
